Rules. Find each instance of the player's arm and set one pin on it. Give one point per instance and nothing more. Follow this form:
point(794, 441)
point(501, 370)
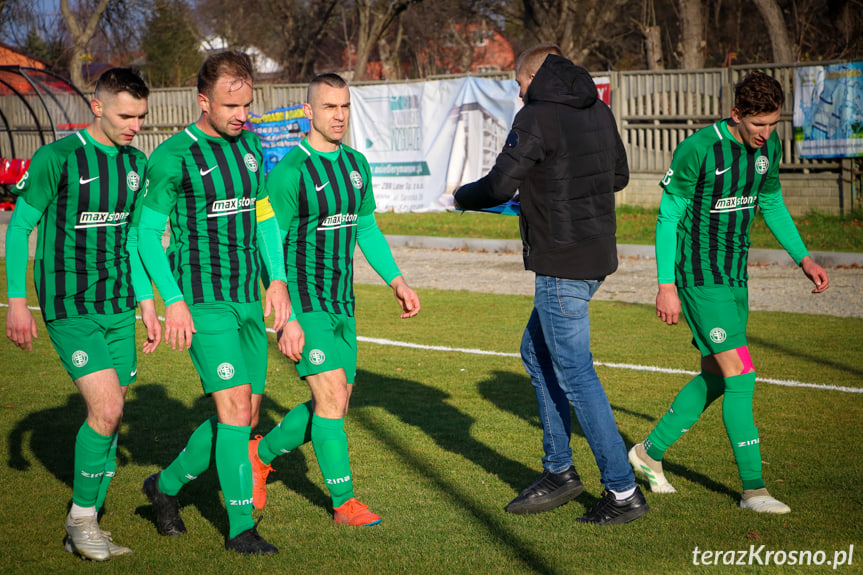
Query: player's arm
point(380, 257)
point(671, 210)
point(143, 289)
point(782, 226)
point(178, 319)
point(272, 255)
point(20, 324)
point(523, 150)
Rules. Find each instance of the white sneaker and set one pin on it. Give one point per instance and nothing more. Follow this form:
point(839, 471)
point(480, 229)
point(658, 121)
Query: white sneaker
point(84, 537)
point(658, 482)
point(763, 503)
point(113, 548)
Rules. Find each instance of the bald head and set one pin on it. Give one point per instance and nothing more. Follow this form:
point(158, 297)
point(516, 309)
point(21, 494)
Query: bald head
point(331, 80)
point(531, 59)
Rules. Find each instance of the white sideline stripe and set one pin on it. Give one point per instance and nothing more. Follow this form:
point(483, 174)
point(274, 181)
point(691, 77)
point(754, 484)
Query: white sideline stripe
point(630, 366)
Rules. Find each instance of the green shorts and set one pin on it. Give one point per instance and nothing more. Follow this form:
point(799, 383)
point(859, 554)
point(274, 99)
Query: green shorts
point(229, 347)
point(717, 316)
point(331, 343)
point(90, 343)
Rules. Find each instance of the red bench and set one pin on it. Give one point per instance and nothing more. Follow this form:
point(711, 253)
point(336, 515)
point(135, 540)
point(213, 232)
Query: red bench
point(12, 169)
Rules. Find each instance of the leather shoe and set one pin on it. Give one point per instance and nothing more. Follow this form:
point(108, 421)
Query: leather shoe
point(549, 491)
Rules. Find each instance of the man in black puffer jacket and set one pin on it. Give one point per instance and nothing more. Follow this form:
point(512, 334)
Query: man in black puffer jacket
point(567, 160)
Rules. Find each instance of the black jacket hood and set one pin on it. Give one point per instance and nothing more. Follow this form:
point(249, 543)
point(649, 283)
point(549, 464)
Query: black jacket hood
point(560, 81)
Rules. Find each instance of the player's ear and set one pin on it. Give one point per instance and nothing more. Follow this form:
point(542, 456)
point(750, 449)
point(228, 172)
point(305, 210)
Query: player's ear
point(307, 110)
point(735, 115)
point(204, 103)
point(96, 107)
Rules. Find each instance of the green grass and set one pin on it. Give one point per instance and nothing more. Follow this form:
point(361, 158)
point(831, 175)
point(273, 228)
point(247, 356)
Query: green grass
point(635, 225)
point(442, 440)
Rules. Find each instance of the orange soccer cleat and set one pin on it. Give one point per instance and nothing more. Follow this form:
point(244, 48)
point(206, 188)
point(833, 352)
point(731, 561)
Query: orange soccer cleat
point(352, 512)
point(260, 471)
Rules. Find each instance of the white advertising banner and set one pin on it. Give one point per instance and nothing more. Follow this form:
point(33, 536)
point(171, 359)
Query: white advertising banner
point(423, 140)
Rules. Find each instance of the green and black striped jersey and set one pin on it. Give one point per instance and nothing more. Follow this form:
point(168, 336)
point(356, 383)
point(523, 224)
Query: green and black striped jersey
point(317, 198)
point(86, 192)
point(208, 187)
point(723, 179)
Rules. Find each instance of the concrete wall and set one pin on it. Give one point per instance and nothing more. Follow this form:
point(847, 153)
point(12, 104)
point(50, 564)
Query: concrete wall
point(803, 193)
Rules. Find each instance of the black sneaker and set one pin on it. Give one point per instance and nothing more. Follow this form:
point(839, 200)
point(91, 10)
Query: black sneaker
point(250, 542)
point(610, 511)
point(549, 491)
point(168, 521)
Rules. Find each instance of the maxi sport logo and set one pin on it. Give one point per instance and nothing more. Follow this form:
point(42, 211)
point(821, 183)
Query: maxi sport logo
point(317, 357)
point(80, 358)
point(338, 221)
point(717, 335)
point(101, 219)
point(231, 206)
point(734, 204)
point(133, 181)
point(225, 371)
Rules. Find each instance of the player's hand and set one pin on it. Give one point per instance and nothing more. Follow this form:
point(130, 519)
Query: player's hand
point(407, 298)
point(179, 326)
point(153, 325)
point(20, 325)
point(668, 304)
point(276, 299)
point(291, 340)
point(815, 273)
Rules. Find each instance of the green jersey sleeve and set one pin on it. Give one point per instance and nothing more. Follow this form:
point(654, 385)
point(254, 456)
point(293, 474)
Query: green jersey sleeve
point(376, 249)
point(671, 210)
point(164, 178)
point(24, 219)
point(41, 182)
point(682, 175)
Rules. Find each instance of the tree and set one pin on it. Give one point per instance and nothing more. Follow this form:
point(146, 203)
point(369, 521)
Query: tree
point(81, 34)
point(783, 49)
point(692, 35)
point(171, 45)
point(373, 20)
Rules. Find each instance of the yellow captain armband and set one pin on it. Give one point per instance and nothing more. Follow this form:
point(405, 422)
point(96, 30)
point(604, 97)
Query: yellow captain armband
point(264, 210)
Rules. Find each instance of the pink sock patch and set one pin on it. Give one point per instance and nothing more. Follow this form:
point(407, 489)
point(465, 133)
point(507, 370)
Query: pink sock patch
point(743, 354)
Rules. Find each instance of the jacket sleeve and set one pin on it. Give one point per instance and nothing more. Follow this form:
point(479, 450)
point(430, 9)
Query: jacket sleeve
point(523, 149)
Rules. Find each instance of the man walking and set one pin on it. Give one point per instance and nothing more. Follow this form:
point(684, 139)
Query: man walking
point(567, 160)
point(321, 193)
point(81, 191)
point(717, 178)
point(207, 181)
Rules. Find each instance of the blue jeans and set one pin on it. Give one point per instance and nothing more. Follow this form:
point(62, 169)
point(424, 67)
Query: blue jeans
point(555, 350)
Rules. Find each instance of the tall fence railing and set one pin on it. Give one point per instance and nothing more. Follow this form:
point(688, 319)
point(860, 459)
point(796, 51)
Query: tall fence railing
point(655, 111)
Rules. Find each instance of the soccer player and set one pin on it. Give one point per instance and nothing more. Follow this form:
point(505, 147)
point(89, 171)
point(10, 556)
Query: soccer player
point(81, 191)
point(207, 181)
point(717, 178)
point(321, 193)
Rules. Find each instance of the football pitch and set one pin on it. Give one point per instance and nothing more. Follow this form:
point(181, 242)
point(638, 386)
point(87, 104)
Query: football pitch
point(443, 432)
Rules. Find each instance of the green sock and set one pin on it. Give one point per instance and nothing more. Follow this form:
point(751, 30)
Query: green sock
point(740, 426)
point(685, 410)
point(110, 470)
point(331, 449)
point(91, 453)
point(235, 475)
point(192, 461)
point(293, 431)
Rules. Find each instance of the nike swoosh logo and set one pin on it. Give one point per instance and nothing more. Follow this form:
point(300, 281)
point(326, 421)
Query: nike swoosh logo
point(134, 373)
point(321, 187)
point(205, 172)
point(82, 181)
point(719, 173)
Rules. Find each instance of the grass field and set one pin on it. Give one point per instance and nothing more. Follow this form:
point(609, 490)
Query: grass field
point(635, 225)
point(442, 439)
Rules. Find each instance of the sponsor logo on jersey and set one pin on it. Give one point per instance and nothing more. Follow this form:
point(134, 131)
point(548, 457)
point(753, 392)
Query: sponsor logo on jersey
point(204, 172)
point(762, 164)
point(717, 335)
point(317, 357)
point(101, 219)
point(734, 204)
point(338, 480)
point(133, 181)
point(80, 358)
point(231, 207)
point(356, 179)
point(338, 221)
point(84, 182)
point(322, 186)
point(720, 172)
point(225, 371)
point(251, 162)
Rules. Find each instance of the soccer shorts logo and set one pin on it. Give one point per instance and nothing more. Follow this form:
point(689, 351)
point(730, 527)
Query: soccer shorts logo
point(225, 371)
point(717, 335)
point(251, 162)
point(317, 357)
point(80, 358)
point(356, 179)
point(133, 181)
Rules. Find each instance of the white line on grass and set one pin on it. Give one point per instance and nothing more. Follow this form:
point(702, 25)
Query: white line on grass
point(629, 366)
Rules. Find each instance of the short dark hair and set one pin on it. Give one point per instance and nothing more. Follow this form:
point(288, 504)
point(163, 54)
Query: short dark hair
point(226, 63)
point(532, 58)
point(331, 80)
point(117, 80)
point(758, 93)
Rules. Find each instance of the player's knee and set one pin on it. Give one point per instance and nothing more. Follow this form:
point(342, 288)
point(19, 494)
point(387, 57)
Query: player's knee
point(745, 359)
